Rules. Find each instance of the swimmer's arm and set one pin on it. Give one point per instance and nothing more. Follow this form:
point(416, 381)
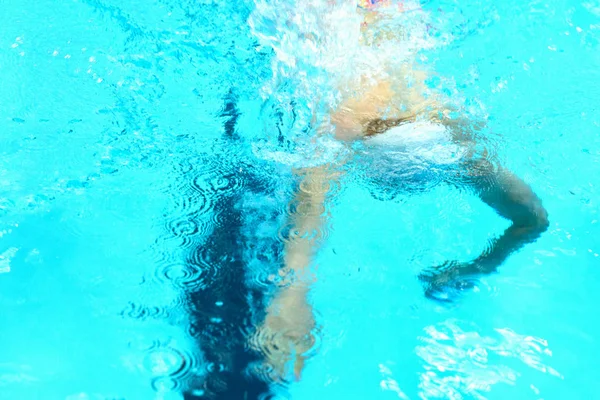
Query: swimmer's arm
point(500, 189)
point(504, 192)
point(495, 185)
point(512, 199)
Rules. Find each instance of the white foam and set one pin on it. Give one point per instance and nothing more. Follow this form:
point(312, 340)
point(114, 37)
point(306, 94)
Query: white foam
point(413, 133)
point(320, 151)
point(424, 140)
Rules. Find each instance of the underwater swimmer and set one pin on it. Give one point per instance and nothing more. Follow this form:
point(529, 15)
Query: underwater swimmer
point(384, 112)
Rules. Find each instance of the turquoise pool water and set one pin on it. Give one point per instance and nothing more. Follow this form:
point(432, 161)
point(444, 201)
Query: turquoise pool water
point(145, 174)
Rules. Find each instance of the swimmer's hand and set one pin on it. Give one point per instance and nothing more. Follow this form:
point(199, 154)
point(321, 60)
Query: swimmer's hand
point(286, 335)
point(446, 281)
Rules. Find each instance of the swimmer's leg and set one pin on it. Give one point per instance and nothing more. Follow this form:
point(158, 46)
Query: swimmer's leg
point(512, 199)
point(287, 332)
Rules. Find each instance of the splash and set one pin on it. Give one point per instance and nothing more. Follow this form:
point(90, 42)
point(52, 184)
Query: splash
point(323, 51)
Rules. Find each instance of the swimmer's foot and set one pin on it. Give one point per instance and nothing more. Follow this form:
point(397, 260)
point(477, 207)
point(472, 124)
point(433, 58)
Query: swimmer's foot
point(287, 335)
point(284, 350)
point(445, 282)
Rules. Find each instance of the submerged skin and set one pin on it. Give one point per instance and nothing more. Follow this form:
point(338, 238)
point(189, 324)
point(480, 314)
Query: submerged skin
point(289, 326)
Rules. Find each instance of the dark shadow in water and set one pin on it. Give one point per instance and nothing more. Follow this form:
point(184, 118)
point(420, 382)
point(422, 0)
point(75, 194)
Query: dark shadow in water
point(222, 314)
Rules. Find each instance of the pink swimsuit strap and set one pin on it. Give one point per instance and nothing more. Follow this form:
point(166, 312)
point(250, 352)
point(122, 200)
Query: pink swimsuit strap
point(372, 4)
point(367, 4)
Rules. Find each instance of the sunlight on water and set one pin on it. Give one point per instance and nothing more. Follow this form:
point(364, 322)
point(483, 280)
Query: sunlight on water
point(458, 360)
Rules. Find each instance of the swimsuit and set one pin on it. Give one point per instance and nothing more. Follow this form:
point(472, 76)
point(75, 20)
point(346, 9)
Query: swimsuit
point(422, 141)
point(370, 4)
point(410, 157)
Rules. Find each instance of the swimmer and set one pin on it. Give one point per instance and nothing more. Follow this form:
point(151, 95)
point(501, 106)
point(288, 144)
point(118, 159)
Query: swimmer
point(385, 112)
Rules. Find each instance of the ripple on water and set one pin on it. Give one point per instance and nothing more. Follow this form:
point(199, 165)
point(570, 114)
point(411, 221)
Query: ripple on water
point(305, 208)
point(328, 185)
point(209, 266)
point(263, 269)
point(262, 249)
point(193, 270)
point(142, 312)
point(290, 232)
point(282, 344)
point(228, 182)
point(186, 276)
point(188, 219)
point(169, 367)
point(186, 229)
point(217, 176)
point(203, 183)
point(217, 329)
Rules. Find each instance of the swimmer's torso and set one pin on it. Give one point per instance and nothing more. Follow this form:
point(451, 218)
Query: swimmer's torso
point(388, 95)
point(378, 107)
